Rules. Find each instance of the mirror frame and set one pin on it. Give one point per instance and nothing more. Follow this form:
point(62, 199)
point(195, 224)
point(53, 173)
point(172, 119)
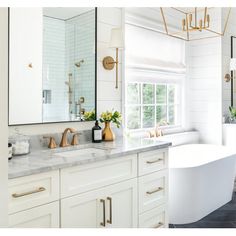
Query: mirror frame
point(56, 122)
point(232, 38)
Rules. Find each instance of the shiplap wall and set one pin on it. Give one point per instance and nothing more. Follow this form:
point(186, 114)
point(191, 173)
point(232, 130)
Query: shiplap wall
point(108, 96)
point(205, 87)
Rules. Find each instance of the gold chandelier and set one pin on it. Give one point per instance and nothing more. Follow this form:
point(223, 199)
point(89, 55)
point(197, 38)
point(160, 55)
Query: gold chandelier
point(187, 23)
point(191, 23)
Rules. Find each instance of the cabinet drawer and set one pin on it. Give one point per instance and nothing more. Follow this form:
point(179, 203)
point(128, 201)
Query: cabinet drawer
point(46, 216)
point(155, 218)
point(80, 179)
point(152, 161)
point(34, 190)
point(153, 190)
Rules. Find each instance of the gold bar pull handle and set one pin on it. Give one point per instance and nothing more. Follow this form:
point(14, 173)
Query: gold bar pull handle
point(110, 210)
point(155, 191)
point(160, 224)
point(103, 223)
point(155, 161)
point(38, 190)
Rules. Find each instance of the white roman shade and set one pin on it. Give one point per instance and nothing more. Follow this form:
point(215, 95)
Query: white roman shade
point(150, 50)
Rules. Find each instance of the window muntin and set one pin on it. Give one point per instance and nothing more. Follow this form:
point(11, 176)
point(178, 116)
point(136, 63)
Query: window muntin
point(149, 104)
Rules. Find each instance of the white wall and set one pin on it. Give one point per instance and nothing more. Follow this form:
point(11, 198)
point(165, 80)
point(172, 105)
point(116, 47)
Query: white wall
point(205, 87)
point(108, 97)
point(3, 115)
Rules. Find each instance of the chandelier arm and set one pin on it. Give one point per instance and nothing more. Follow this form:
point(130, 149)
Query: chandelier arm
point(209, 37)
point(164, 20)
point(179, 10)
point(227, 20)
point(213, 31)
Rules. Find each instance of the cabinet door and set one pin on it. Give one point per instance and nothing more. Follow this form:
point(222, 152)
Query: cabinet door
point(84, 210)
point(25, 65)
point(121, 205)
point(45, 216)
point(112, 206)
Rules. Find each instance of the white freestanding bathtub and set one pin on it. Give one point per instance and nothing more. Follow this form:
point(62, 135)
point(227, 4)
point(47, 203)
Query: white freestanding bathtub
point(201, 179)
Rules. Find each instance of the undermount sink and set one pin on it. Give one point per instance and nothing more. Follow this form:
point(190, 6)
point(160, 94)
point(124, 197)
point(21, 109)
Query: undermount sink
point(85, 152)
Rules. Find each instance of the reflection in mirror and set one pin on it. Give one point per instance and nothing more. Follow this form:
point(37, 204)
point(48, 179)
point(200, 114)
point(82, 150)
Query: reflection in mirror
point(68, 63)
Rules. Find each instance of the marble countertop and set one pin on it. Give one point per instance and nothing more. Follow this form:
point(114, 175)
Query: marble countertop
point(44, 160)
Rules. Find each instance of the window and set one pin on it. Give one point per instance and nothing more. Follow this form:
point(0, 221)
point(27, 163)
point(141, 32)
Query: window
point(149, 104)
point(154, 75)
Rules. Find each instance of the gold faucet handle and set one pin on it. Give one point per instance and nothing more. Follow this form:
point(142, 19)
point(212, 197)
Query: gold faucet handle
point(75, 138)
point(152, 133)
point(52, 143)
point(159, 132)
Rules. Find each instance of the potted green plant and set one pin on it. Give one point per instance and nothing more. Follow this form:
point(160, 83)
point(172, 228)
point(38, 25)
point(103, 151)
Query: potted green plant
point(109, 117)
point(90, 115)
point(232, 111)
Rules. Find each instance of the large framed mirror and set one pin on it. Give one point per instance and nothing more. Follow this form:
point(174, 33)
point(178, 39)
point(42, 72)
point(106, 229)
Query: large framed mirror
point(52, 65)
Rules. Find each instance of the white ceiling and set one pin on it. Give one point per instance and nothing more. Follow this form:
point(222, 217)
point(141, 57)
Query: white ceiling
point(65, 13)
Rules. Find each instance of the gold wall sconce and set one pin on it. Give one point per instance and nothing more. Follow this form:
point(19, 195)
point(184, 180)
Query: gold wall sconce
point(116, 42)
point(228, 77)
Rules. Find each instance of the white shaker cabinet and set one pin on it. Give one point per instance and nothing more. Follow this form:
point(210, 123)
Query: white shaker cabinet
point(113, 206)
point(45, 216)
point(125, 192)
point(25, 65)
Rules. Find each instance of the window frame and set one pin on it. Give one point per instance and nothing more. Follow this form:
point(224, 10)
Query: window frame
point(177, 105)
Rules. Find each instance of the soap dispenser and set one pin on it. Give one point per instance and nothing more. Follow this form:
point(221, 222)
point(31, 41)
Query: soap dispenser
point(96, 133)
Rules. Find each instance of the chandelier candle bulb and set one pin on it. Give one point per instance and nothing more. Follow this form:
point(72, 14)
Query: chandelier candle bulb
point(190, 18)
point(208, 20)
point(200, 25)
point(183, 24)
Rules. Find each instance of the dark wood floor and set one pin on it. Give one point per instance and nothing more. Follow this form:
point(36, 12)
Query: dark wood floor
point(224, 217)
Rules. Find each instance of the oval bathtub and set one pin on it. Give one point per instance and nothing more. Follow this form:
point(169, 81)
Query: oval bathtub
point(201, 179)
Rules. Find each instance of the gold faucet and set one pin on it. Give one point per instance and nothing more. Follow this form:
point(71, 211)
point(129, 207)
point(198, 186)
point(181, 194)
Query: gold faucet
point(64, 142)
point(157, 132)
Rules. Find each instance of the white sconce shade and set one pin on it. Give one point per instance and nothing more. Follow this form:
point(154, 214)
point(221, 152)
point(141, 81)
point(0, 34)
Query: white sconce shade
point(233, 64)
point(116, 40)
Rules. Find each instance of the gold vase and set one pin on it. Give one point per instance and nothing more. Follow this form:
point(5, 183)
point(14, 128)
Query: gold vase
point(107, 134)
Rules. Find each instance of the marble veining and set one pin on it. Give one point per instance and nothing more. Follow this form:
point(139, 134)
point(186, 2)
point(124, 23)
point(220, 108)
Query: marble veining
point(44, 160)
